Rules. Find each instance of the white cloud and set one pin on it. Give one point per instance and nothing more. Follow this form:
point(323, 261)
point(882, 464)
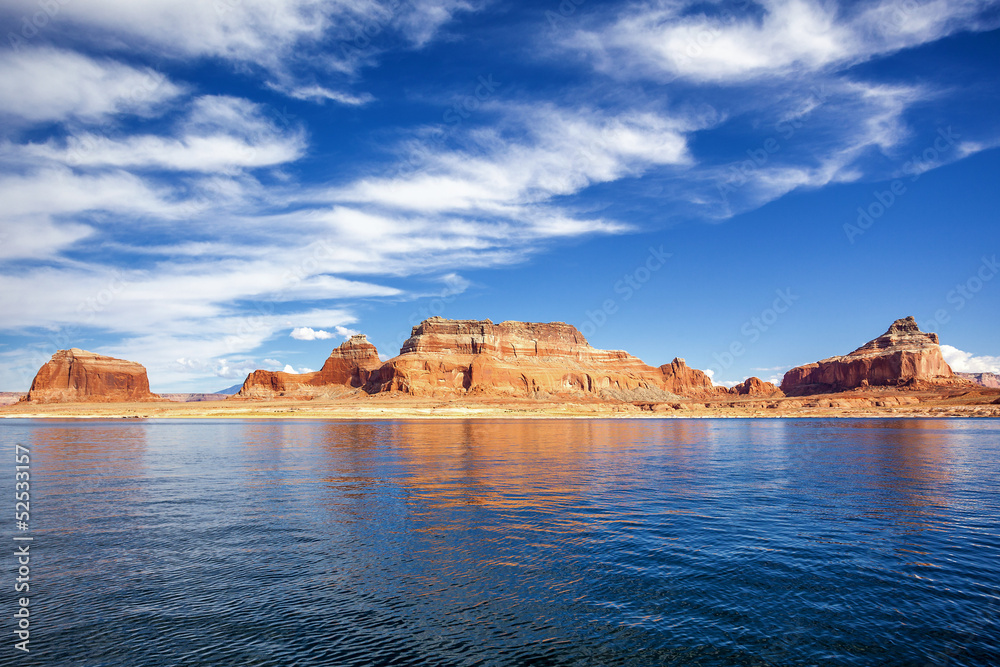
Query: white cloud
point(41, 204)
point(316, 93)
point(562, 152)
point(43, 240)
point(288, 369)
point(47, 84)
point(810, 147)
point(344, 332)
point(425, 19)
point(231, 370)
point(276, 35)
point(686, 39)
point(305, 333)
point(219, 134)
point(966, 362)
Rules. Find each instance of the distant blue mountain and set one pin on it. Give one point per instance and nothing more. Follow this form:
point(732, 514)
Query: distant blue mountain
point(235, 389)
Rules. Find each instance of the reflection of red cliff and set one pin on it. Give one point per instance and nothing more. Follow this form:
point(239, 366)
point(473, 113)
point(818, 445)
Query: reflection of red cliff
point(79, 376)
point(349, 366)
point(451, 358)
point(901, 356)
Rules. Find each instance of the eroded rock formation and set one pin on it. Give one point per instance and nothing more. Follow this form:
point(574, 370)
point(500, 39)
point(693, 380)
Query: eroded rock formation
point(681, 379)
point(348, 367)
point(477, 357)
point(448, 358)
point(902, 356)
point(77, 376)
point(754, 386)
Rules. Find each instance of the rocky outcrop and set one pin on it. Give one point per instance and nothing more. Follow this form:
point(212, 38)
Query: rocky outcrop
point(681, 379)
point(902, 356)
point(77, 376)
point(991, 380)
point(451, 358)
point(349, 367)
point(754, 386)
point(477, 357)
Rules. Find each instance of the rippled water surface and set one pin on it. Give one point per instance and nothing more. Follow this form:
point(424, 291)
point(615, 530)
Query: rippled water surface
point(536, 542)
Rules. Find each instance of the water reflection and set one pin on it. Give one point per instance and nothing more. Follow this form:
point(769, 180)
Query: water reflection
point(553, 542)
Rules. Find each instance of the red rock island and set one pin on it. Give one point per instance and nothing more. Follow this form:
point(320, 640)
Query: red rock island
point(77, 376)
point(902, 356)
point(452, 358)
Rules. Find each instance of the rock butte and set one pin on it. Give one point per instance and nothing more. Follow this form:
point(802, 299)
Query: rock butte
point(452, 358)
point(903, 356)
point(348, 367)
point(756, 387)
point(77, 376)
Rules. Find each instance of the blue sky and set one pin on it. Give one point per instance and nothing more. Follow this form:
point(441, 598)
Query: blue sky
point(212, 187)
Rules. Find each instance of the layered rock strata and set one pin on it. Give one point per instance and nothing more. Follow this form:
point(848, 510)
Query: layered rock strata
point(477, 357)
point(902, 356)
point(348, 367)
point(448, 358)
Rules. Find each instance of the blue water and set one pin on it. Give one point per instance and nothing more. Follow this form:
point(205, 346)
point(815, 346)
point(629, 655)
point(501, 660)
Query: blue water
point(534, 542)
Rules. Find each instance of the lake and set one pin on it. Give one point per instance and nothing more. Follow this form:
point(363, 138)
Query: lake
point(508, 542)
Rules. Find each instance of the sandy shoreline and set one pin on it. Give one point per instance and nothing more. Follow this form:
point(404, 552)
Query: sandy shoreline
point(369, 408)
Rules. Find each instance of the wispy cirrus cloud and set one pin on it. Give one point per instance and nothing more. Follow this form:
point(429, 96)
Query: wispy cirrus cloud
point(48, 84)
point(306, 47)
point(716, 43)
point(559, 152)
point(229, 227)
point(219, 134)
point(783, 66)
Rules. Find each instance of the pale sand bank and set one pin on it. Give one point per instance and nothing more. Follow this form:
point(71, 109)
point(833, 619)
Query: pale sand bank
point(368, 408)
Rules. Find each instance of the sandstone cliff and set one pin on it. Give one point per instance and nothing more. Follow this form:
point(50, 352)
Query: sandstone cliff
point(77, 376)
point(681, 379)
point(450, 358)
point(348, 367)
point(901, 356)
point(477, 357)
point(754, 386)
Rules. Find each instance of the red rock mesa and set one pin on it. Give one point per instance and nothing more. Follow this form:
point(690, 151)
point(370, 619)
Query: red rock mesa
point(77, 376)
